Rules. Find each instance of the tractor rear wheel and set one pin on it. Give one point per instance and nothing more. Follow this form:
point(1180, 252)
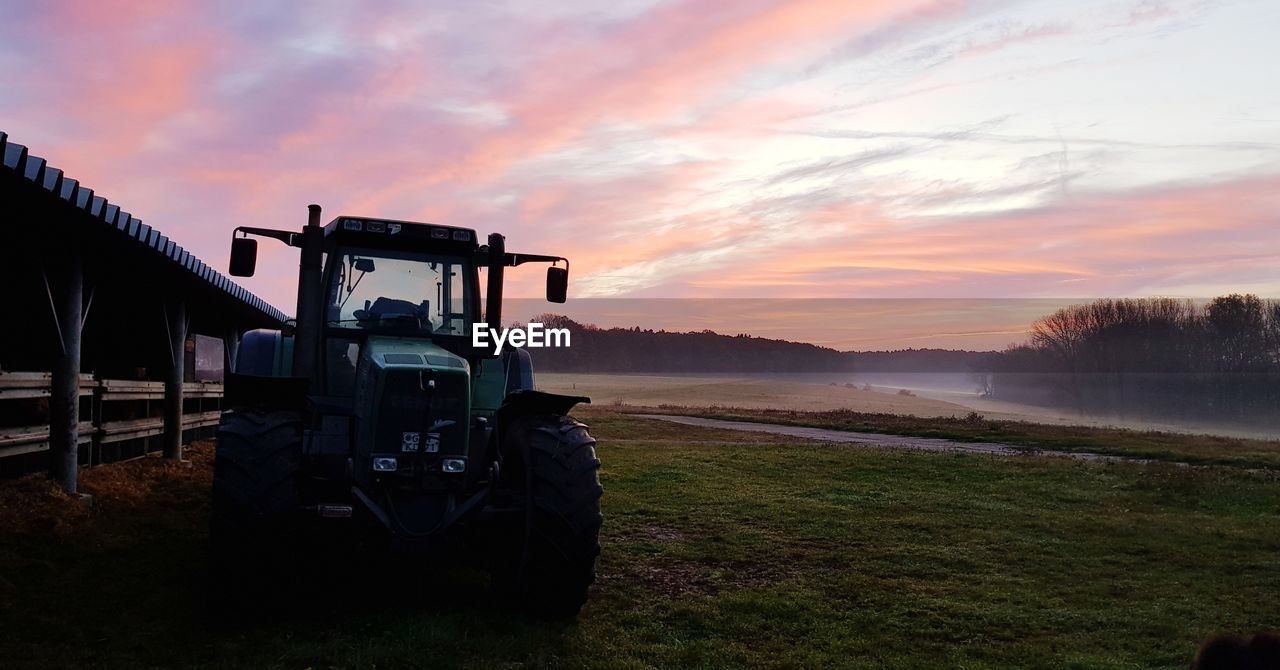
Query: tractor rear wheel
point(552, 460)
point(255, 506)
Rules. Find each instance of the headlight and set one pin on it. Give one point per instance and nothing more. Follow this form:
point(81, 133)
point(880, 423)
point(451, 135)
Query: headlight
point(453, 465)
point(385, 464)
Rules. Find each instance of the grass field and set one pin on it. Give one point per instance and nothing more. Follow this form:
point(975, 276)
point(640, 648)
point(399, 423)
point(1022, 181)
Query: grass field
point(856, 409)
point(1148, 445)
point(722, 549)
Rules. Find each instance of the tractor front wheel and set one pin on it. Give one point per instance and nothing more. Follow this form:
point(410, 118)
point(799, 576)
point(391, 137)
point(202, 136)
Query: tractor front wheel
point(552, 461)
point(255, 506)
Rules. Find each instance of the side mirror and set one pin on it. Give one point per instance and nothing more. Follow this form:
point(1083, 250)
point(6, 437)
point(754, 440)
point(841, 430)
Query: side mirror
point(363, 264)
point(244, 256)
point(557, 284)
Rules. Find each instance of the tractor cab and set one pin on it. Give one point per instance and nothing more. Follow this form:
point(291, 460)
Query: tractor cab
point(395, 280)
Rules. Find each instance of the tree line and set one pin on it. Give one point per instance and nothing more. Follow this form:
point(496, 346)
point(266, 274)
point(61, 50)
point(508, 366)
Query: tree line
point(644, 350)
point(1151, 358)
point(637, 350)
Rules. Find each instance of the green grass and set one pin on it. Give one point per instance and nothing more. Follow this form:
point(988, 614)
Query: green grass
point(1153, 445)
point(722, 549)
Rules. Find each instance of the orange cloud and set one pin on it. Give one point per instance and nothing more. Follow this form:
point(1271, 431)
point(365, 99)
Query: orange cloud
point(1125, 243)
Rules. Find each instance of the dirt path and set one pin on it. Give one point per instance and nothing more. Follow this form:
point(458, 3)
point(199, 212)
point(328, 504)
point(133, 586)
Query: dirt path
point(886, 441)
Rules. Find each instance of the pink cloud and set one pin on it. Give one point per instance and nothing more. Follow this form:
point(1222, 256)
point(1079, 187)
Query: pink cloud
point(666, 62)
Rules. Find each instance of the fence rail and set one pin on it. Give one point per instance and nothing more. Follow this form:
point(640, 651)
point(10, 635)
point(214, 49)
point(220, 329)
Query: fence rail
point(120, 410)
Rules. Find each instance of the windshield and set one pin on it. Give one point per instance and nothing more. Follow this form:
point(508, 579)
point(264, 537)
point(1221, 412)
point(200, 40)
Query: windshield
point(386, 289)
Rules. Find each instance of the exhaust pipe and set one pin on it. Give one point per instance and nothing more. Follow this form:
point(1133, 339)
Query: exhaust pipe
point(306, 338)
point(493, 294)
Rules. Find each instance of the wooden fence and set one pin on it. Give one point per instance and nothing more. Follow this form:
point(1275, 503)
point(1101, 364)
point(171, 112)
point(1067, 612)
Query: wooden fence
point(118, 417)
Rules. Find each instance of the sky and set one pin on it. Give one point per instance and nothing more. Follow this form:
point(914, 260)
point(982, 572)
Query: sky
point(756, 149)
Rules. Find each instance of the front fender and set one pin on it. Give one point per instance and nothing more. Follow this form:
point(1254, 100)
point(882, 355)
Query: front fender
point(242, 390)
point(525, 402)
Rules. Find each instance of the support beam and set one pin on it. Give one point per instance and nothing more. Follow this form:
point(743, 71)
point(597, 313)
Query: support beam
point(176, 317)
point(230, 351)
point(64, 391)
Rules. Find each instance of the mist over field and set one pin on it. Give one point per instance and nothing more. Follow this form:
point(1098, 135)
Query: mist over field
point(1210, 365)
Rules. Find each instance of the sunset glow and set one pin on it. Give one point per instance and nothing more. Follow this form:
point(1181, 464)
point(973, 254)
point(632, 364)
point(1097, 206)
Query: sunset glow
point(693, 148)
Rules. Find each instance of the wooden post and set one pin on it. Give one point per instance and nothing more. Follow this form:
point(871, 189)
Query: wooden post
point(176, 316)
point(64, 391)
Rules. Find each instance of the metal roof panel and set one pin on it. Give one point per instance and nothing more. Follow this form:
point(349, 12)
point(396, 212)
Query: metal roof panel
point(34, 168)
point(52, 177)
point(70, 189)
point(14, 156)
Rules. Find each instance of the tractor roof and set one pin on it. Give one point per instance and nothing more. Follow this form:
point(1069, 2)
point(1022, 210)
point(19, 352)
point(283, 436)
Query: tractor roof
point(387, 233)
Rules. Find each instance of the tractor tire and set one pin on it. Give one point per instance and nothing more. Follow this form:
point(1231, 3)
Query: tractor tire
point(255, 517)
point(552, 460)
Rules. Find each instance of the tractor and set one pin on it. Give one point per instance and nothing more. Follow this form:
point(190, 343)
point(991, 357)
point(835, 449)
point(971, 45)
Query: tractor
point(375, 409)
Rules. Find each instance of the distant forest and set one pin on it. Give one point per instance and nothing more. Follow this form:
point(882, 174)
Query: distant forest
point(1126, 358)
point(639, 350)
point(1151, 357)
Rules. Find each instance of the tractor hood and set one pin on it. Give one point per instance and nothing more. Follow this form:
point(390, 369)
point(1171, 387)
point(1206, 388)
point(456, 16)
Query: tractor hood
point(412, 403)
point(397, 352)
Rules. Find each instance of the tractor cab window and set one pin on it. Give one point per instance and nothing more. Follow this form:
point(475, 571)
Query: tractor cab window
point(395, 291)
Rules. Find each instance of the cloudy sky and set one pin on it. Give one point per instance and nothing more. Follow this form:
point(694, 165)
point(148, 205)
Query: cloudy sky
point(692, 148)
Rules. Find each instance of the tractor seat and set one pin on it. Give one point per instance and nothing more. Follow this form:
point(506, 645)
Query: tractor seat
point(390, 307)
point(387, 306)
